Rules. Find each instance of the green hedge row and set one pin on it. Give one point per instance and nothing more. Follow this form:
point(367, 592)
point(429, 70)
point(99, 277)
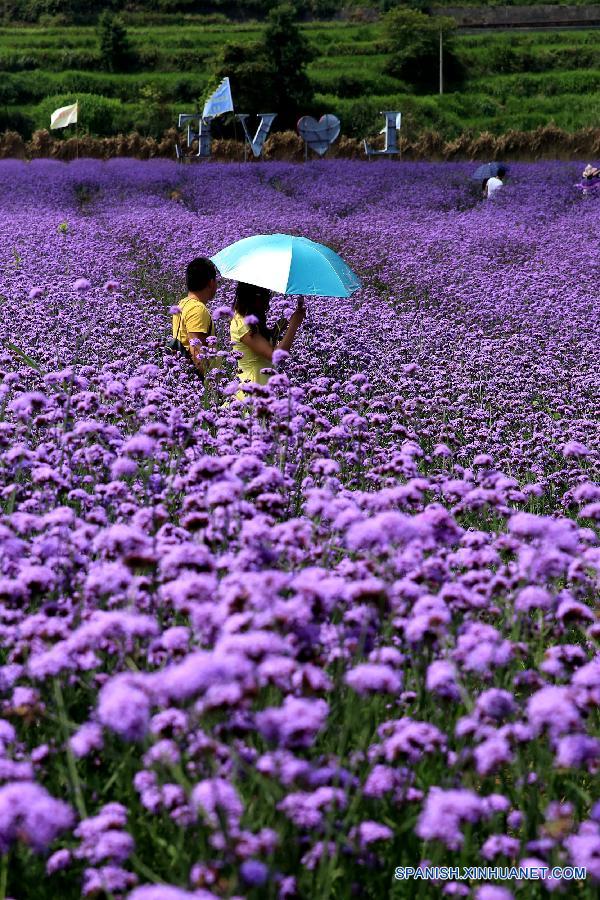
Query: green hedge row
point(29, 88)
point(98, 115)
point(507, 57)
point(339, 47)
point(53, 60)
point(32, 87)
point(453, 114)
point(450, 114)
point(550, 84)
point(357, 85)
point(60, 60)
point(497, 59)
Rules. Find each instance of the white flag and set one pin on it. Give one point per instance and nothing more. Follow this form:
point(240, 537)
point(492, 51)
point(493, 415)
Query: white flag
point(66, 115)
point(220, 101)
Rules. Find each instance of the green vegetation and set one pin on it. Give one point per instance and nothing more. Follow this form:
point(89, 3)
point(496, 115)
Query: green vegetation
point(413, 44)
point(288, 51)
point(87, 11)
point(113, 43)
point(270, 73)
point(512, 80)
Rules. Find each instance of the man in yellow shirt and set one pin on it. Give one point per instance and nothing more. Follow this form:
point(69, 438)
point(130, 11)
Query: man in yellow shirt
point(193, 325)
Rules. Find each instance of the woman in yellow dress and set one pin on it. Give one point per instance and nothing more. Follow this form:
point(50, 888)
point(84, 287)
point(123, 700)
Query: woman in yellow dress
point(251, 336)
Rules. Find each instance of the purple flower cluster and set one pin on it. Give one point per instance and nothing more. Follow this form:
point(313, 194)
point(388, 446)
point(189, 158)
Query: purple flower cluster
point(264, 647)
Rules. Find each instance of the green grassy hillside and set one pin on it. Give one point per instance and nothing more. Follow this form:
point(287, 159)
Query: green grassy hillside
point(515, 80)
point(85, 11)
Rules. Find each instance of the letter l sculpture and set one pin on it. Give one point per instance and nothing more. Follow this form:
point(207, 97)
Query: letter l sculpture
point(392, 124)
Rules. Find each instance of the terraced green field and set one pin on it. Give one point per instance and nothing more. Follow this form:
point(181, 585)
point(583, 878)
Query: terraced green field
point(515, 80)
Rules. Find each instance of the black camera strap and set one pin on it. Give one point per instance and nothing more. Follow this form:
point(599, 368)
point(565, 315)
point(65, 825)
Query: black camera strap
point(178, 346)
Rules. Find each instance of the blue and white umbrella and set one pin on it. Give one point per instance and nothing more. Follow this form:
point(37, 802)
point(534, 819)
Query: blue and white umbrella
point(287, 264)
point(489, 170)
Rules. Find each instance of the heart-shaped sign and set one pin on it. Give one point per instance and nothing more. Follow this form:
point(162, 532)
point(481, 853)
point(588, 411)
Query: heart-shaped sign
point(319, 135)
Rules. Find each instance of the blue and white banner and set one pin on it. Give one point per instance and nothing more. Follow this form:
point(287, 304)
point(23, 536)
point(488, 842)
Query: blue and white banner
point(219, 102)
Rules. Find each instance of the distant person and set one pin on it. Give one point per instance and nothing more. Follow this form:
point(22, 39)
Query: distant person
point(254, 339)
point(194, 325)
point(590, 180)
point(590, 173)
point(493, 184)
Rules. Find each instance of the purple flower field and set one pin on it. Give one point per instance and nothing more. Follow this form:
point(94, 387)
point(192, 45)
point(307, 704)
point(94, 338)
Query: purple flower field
point(277, 647)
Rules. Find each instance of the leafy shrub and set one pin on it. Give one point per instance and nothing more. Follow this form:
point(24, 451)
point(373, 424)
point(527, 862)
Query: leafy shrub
point(503, 58)
point(270, 75)
point(289, 53)
point(449, 114)
point(116, 53)
point(20, 88)
point(188, 89)
point(148, 58)
point(8, 94)
point(324, 9)
point(551, 84)
point(250, 74)
point(31, 88)
point(356, 86)
point(54, 60)
point(15, 120)
point(413, 44)
point(17, 62)
point(78, 59)
point(97, 114)
point(340, 46)
point(151, 121)
point(53, 21)
point(153, 115)
point(507, 54)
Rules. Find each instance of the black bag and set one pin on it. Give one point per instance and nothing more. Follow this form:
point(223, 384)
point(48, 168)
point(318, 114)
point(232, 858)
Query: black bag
point(176, 346)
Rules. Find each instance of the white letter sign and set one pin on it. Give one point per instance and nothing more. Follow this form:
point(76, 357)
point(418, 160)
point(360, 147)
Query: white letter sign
point(256, 144)
point(393, 121)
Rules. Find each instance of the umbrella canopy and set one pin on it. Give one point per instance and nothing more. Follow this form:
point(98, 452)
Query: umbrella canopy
point(489, 170)
point(287, 264)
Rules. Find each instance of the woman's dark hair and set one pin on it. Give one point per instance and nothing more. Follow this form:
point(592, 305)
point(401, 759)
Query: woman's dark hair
point(199, 272)
point(501, 172)
point(250, 301)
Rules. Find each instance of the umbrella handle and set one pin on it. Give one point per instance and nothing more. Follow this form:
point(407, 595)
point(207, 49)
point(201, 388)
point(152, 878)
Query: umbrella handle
point(308, 322)
point(302, 302)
